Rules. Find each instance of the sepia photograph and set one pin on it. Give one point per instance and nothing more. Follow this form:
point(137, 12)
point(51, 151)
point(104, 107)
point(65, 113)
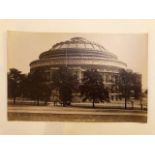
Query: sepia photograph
point(77, 77)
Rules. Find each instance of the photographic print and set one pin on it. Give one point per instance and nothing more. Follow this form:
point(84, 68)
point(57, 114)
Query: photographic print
point(77, 77)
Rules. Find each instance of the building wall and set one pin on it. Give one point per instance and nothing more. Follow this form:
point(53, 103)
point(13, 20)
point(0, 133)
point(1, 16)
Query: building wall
point(109, 75)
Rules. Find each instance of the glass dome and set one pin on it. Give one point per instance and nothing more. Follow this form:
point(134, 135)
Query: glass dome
point(76, 47)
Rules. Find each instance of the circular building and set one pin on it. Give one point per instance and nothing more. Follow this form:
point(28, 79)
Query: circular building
point(80, 54)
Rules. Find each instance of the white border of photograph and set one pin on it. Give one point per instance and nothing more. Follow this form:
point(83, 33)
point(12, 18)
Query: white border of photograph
point(87, 26)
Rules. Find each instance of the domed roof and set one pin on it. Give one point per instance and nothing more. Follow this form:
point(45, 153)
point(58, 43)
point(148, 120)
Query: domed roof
point(78, 52)
point(78, 46)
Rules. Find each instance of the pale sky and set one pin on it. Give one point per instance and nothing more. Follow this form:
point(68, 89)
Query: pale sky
point(24, 47)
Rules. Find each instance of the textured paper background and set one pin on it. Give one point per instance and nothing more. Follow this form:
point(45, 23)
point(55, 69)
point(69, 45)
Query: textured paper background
point(85, 26)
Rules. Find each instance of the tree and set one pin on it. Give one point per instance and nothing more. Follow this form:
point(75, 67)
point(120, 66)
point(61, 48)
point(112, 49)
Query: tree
point(92, 87)
point(25, 86)
point(137, 85)
point(34, 85)
point(15, 78)
point(66, 83)
point(129, 84)
point(123, 84)
point(38, 87)
point(46, 92)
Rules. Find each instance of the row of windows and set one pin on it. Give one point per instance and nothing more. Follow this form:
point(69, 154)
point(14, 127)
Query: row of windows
point(106, 78)
point(116, 97)
point(71, 55)
point(71, 45)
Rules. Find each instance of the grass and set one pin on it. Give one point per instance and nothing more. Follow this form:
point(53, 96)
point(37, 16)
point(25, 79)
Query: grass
point(76, 118)
point(112, 112)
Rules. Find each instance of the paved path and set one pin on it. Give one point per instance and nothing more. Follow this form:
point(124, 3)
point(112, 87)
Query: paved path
point(73, 110)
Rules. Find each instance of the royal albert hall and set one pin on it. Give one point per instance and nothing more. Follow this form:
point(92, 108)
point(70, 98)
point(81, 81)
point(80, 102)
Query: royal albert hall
point(80, 54)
